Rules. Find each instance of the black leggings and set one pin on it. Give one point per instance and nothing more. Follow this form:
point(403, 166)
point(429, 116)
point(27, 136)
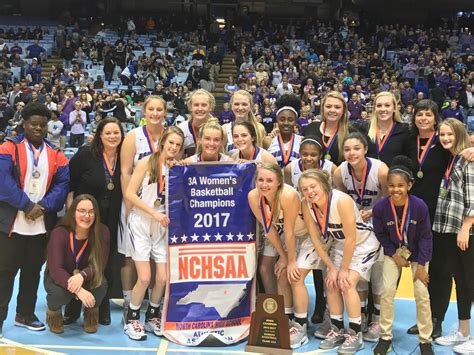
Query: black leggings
point(462, 266)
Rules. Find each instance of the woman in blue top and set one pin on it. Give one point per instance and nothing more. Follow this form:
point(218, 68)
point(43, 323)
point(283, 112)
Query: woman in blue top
point(402, 226)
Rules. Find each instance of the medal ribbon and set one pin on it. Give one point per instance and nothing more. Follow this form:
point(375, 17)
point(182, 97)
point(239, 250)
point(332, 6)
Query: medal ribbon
point(426, 149)
point(363, 182)
point(35, 154)
point(109, 170)
point(449, 170)
point(160, 186)
point(332, 138)
point(323, 223)
point(402, 229)
point(254, 153)
point(266, 215)
point(285, 154)
point(380, 143)
point(77, 255)
point(149, 139)
point(193, 132)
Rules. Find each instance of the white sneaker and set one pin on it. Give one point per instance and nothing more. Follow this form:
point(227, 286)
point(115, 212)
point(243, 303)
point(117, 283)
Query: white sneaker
point(465, 348)
point(298, 335)
point(153, 325)
point(454, 338)
point(135, 330)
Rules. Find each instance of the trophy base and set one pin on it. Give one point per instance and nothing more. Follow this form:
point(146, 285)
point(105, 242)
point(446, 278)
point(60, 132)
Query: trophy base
point(267, 350)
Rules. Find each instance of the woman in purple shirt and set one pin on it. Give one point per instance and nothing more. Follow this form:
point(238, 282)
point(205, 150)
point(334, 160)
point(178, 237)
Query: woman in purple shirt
point(78, 249)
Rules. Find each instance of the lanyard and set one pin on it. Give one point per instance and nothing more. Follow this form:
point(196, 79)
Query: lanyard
point(77, 255)
point(380, 143)
point(363, 182)
point(323, 222)
point(424, 152)
point(149, 139)
point(285, 154)
point(267, 214)
point(35, 154)
point(330, 142)
point(255, 151)
point(402, 229)
point(109, 169)
point(193, 131)
point(449, 170)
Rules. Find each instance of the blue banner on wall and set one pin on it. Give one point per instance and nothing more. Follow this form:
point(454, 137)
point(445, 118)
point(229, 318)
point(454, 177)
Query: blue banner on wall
point(211, 254)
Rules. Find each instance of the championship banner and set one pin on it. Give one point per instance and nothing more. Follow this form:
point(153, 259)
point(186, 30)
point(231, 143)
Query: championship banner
point(210, 291)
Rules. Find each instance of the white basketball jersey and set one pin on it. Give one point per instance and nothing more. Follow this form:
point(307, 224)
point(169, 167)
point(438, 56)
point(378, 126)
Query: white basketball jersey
point(296, 170)
point(274, 149)
point(363, 230)
point(196, 158)
point(372, 191)
point(142, 149)
point(148, 191)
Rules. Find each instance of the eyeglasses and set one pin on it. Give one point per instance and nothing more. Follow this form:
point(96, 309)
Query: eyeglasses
point(84, 213)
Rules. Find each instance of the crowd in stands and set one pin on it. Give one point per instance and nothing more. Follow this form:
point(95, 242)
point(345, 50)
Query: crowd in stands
point(111, 73)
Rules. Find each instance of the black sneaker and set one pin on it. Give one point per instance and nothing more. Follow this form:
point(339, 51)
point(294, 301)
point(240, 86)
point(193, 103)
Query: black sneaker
point(413, 330)
point(426, 349)
point(383, 347)
point(72, 311)
point(31, 322)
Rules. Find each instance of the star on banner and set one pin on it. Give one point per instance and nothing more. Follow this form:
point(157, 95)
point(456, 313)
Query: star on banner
point(206, 237)
point(174, 239)
point(194, 238)
point(240, 236)
point(218, 237)
point(250, 236)
point(230, 236)
point(184, 238)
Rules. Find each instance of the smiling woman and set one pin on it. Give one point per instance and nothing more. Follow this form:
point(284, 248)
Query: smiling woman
point(95, 170)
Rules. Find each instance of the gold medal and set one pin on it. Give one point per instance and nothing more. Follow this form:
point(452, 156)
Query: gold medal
point(36, 174)
point(443, 192)
point(157, 203)
point(404, 252)
point(327, 157)
point(76, 271)
point(419, 174)
point(110, 186)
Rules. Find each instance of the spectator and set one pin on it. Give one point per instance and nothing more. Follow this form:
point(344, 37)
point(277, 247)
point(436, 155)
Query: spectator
point(36, 51)
point(54, 129)
point(453, 111)
point(67, 54)
point(77, 120)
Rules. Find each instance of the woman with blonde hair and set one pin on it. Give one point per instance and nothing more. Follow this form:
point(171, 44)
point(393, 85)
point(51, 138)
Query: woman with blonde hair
point(200, 103)
point(387, 134)
point(241, 104)
point(138, 143)
point(147, 224)
point(333, 127)
point(210, 143)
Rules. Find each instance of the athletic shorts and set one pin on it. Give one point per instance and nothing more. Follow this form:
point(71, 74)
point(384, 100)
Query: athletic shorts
point(147, 238)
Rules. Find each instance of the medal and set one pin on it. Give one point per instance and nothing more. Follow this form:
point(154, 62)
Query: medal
point(109, 170)
point(157, 203)
point(285, 154)
point(330, 142)
point(36, 153)
point(323, 222)
point(76, 271)
point(424, 152)
point(443, 192)
point(267, 214)
point(402, 229)
point(77, 255)
point(363, 182)
point(380, 143)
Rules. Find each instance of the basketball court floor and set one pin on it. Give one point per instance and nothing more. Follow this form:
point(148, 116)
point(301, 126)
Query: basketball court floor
point(111, 339)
